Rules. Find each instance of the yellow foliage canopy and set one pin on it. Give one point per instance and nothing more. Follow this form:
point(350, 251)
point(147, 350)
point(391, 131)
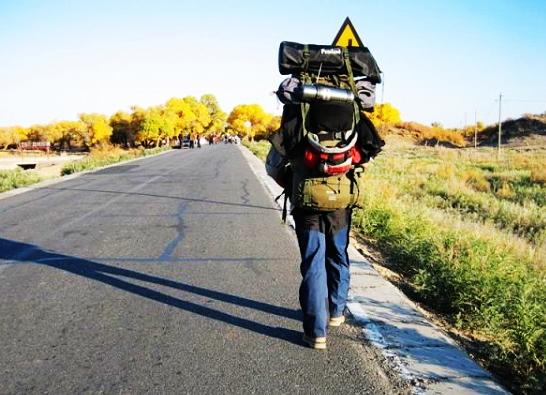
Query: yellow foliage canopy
point(432, 135)
point(250, 120)
point(218, 118)
point(193, 116)
point(12, 135)
point(385, 113)
point(97, 129)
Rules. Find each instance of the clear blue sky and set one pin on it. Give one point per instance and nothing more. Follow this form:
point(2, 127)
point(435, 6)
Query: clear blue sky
point(442, 60)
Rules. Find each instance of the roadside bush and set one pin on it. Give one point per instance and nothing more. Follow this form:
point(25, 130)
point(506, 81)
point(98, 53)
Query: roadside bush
point(472, 275)
point(433, 135)
point(11, 179)
point(107, 156)
point(258, 148)
point(469, 247)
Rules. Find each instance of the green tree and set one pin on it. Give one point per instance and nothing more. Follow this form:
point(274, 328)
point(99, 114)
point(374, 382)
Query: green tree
point(150, 131)
point(157, 124)
point(218, 118)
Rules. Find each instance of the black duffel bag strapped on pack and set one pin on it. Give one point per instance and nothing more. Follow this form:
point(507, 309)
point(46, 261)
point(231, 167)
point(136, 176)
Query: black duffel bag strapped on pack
point(326, 59)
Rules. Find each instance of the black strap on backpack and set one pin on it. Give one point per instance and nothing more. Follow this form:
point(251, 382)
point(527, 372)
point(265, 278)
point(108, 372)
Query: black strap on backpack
point(284, 206)
point(305, 78)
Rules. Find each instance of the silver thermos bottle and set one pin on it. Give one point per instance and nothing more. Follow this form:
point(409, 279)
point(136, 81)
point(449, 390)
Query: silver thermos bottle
point(314, 92)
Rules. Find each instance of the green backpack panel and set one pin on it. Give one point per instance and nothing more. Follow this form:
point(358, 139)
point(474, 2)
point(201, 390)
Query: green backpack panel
point(328, 193)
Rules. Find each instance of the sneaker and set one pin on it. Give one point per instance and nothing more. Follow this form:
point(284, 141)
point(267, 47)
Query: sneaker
point(318, 343)
point(336, 321)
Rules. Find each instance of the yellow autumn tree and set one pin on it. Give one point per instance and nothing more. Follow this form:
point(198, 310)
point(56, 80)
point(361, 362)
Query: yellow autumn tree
point(169, 123)
point(97, 130)
point(201, 112)
point(54, 132)
point(383, 114)
point(12, 136)
point(249, 120)
point(184, 113)
point(193, 116)
point(67, 132)
point(123, 129)
point(37, 133)
point(274, 124)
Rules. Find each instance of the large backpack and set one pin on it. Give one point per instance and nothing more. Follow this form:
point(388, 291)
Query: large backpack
point(324, 137)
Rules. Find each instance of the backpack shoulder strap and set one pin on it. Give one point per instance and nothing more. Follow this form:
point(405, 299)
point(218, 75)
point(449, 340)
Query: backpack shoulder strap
point(284, 206)
point(347, 61)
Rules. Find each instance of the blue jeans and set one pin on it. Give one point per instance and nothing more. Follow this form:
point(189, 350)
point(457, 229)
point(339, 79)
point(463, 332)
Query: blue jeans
point(323, 239)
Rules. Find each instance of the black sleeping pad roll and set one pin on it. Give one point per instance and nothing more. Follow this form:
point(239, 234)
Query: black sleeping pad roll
point(328, 59)
point(330, 117)
point(291, 58)
point(369, 140)
point(291, 129)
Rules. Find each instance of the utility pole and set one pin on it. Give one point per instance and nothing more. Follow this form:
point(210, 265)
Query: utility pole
point(475, 129)
point(382, 88)
point(500, 124)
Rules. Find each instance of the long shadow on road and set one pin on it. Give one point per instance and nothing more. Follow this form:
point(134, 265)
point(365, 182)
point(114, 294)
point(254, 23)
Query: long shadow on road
point(21, 252)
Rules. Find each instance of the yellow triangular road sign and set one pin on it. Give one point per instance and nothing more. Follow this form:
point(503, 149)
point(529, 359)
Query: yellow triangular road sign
point(347, 36)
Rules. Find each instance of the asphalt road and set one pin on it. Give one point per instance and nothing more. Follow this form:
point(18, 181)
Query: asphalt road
point(172, 274)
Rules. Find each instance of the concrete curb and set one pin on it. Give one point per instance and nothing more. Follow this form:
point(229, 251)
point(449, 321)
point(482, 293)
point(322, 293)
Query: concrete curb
point(57, 180)
point(413, 346)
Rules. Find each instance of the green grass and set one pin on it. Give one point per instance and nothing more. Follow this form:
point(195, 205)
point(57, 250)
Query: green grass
point(475, 186)
point(484, 281)
point(258, 148)
point(11, 179)
point(466, 230)
point(106, 157)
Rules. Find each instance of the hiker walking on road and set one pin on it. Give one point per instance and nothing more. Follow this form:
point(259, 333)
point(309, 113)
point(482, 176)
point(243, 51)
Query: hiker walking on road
point(317, 155)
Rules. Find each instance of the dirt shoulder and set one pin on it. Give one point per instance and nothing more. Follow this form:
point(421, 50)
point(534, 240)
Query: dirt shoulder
point(46, 166)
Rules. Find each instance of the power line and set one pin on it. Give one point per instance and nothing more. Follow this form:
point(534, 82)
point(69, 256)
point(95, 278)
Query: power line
point(525, 100)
